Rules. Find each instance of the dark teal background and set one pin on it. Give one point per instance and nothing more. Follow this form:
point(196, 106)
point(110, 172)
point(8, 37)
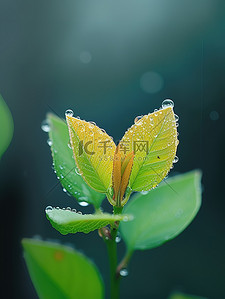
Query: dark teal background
point(43, 47)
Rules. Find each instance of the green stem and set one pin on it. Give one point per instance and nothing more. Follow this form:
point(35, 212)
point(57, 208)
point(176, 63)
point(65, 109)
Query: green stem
point(114, 282)
point(112, 253)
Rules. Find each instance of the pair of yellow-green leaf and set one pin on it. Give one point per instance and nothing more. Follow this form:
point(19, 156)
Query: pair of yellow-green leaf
point(140, 162)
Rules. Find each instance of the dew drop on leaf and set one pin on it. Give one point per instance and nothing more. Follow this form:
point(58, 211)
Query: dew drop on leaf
point(49, 208)
point(176, 117)
point(176, 159)
point(69, 112)
point(137, 118)
point(45, 126)
point(49, 142)
point(167, 103)
point(83, 203)
point(77, 171)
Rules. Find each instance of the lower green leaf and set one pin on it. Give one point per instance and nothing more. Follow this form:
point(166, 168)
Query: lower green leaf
point(60, 272)
point(163, 213)
point(67, 221)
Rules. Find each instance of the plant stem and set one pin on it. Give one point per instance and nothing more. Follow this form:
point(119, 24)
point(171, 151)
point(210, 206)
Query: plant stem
point(114, 282)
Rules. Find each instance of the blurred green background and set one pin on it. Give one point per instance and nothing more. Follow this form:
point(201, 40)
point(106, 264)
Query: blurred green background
point(110, 61)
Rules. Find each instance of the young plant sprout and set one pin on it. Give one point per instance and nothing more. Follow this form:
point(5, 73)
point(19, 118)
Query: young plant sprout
point(90, 167)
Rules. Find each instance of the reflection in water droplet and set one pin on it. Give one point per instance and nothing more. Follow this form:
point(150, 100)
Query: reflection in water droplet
point(69, 112)
point(167, 103)
point(124, 272)
point(45, 126)
point(64, 190)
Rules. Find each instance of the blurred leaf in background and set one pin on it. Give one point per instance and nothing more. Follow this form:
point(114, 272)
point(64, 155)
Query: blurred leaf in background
point(178, 295)
point(6, 126)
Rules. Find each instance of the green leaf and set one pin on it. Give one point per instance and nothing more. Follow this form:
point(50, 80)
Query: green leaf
point(66, 221)
point(163, 213)
point(60, 272)
point(178, 295)
point(6, 126)
point(93, 150)
point(65, 165)
point(153, 139)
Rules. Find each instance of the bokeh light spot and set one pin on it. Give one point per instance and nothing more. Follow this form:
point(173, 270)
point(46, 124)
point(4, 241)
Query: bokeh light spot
point(85, 57)
point(151, 82)
point(214, 115)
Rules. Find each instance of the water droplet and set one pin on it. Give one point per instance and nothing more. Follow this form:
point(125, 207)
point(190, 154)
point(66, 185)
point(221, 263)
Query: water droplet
point(64, 190)
point(69, 145)
point(118, 237)
point(144, 192)
point(177, 125)
point(176, 117)
point(83, 203)
point(57, 208)
point(69, 112)
point(167, 103)
point(45, 126)
point(124, 272)
point(74, 210)
point(37, 237)
point(92, 123)
point(68, 208)
point(49, 142)
point(137, 118)
point(80, 213)
point(48, 208)
point(176, 159)
point(179, 213)
point(77, 171)
point(126, 218)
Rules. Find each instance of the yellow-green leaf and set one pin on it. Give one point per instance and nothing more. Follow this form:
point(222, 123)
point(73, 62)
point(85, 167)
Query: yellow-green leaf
point(66, 221)
point(93, 151)
point(153, 139)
